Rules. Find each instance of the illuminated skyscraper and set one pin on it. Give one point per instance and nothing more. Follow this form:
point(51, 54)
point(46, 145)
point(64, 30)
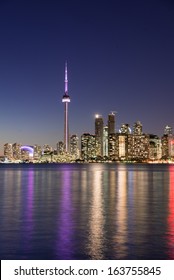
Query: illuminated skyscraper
point(74, 146)
point(66, 100)
point(154, 147)
point(165, 146)
point(99, 135)
point(105, 141)
point(88, 147)
point(112, 139)
point(167, 141)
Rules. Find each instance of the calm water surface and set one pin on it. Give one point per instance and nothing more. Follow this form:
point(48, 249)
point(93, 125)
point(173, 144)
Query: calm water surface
point(86, 211)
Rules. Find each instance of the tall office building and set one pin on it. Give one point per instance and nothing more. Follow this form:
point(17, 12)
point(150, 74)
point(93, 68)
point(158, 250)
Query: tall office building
point(165, 146)
point(122, 146)
point(99, 135)
point(138, 144)
point(88, 147)
point(74, 146)
point(112, 138)
point(105, 141)
point(154, 147)
point(111, 123)
point(66, 100)
point(167, 143)
point(124, 142)
point(139, 147)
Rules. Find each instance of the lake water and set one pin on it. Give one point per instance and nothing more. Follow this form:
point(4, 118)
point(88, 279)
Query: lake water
point(86, 211)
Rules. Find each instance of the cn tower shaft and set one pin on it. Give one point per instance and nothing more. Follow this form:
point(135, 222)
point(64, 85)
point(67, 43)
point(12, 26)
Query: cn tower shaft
point(66, 100)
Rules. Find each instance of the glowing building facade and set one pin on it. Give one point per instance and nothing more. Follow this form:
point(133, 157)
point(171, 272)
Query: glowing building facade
point(8, 151)
point(105, 141)
point(37, 151)
point(139, 145)
point(74, 151)
point(154, 147)
point(88, 147)
point(16, 151)
point(112, 146)
point(60, 148)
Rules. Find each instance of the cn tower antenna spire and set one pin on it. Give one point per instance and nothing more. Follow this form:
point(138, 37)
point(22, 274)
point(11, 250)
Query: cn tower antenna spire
point(66, 100)
point(66, 79)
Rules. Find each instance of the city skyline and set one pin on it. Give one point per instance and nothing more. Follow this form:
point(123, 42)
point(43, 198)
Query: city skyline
point(120, 58)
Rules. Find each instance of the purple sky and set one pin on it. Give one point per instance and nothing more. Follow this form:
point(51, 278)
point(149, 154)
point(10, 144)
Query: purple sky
point(120, 58)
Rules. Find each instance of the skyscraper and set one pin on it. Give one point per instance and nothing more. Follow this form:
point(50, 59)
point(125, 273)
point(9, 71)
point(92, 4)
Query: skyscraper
point(74, 146)
point(111, 123)
point(66, 100)
point(167, 141)
point(105, 141)
point(88, 147)
point(99, 135)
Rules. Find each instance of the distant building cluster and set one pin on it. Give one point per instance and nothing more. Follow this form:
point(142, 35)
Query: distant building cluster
point(126, 144)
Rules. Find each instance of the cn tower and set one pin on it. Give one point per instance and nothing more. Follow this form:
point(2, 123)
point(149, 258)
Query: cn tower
point(66, 100)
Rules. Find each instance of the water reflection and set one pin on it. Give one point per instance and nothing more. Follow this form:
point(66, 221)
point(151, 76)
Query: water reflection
point(10, 211)
point(88, 211)
point(139, 207)
point(121, 215)
point(96, 236)
point(170, 219)
point(64, 219)
point(27, 220)
point(30, 194)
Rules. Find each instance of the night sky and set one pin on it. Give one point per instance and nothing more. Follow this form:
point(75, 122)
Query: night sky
point(120, 57)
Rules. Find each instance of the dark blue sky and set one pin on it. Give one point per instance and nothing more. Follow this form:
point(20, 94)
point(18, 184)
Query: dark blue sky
point(120, 57)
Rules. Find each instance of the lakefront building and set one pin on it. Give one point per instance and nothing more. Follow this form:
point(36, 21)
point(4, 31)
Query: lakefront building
point(88, 147)
point(99, 135)
point(74, 150)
